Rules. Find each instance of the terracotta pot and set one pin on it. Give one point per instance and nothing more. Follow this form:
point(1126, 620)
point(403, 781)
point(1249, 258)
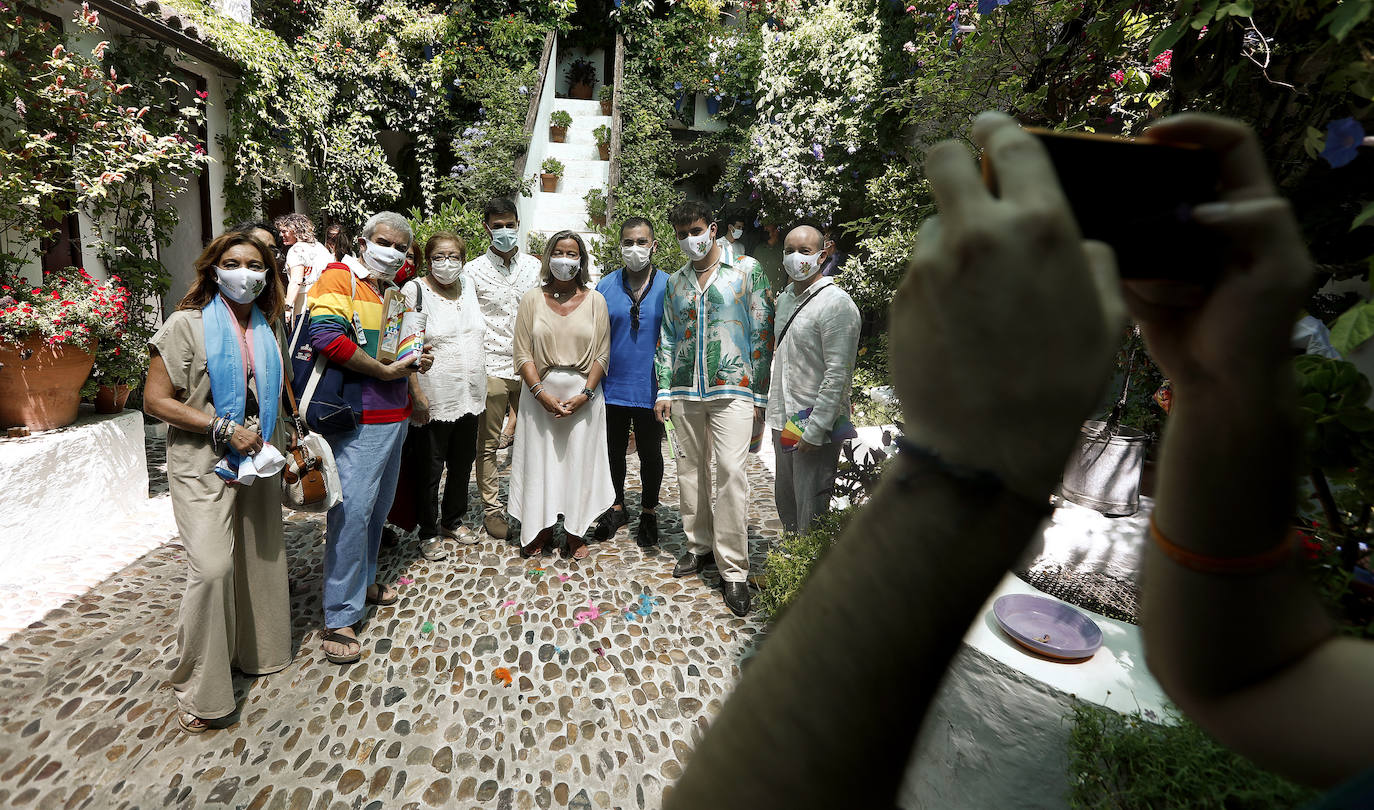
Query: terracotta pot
point(558, 134)
point(605, 150)
point(582, 91)
point(605, 107)
point(548, 182)
point(111, 398)
point(40, 386)
point(599, 222)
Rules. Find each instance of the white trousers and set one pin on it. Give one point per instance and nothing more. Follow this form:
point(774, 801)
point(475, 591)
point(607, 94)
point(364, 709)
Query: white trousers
point(716, 430)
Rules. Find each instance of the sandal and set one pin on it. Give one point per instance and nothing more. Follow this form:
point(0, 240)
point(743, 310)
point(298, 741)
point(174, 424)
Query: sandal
point(378, 601)
point(533, 549)
point(580, 551)
point(192, 724)
point(340, 638)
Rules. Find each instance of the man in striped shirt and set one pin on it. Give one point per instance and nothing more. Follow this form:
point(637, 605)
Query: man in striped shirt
point(345, 326)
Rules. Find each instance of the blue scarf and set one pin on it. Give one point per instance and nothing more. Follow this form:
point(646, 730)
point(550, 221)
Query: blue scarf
point(229, 382)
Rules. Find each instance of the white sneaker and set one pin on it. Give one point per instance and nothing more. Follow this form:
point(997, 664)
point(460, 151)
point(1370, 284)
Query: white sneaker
point(433, 549)
point(464, 535)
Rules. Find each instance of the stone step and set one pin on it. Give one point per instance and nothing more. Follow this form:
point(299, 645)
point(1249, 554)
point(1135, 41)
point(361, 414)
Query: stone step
point(579, 108)
point(568, 152)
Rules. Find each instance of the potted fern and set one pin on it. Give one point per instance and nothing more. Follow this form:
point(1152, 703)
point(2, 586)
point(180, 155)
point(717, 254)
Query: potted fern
point(603, 141)
point(552, 169)
point(559, 121)
point(581, 78)
point(607, 95)
point(596, 207)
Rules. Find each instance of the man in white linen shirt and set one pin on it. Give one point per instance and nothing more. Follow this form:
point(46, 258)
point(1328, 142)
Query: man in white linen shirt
point(813, 367)
point(500, 277)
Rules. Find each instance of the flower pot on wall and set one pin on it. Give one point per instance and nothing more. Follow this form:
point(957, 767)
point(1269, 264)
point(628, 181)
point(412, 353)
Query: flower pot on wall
point(597, 221)
point(111, 398)
point(40, 386)
point(558, 134)
point(605, 150)
point(548, 182)
point(582, 91)
point(712, 105)
point(605, 107)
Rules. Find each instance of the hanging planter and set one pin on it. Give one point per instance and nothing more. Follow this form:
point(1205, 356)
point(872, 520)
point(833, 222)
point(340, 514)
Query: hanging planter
point(40, 385)
point(712, 104)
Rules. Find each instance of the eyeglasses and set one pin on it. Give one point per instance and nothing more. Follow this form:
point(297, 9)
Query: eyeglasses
point(443, 256)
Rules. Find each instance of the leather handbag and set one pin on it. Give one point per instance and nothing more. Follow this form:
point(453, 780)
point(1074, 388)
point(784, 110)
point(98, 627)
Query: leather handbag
point(310, 482)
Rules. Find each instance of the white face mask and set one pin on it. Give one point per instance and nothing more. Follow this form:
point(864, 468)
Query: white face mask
point(239, 284)
point(381, 260)
point(446, 271)
point(736, 233)
point(697, 247)
point(503, 239)
point(564, 268)
point(636, 257)
point(801, 266)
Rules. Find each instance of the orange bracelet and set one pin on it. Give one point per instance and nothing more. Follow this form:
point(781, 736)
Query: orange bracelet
point(1251, 564)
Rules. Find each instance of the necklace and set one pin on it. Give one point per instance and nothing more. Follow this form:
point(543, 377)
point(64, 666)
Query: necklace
point(560, 296)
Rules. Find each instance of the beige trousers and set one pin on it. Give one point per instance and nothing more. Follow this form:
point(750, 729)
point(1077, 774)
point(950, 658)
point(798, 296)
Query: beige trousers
point(715, 429)
point(236, 610)
point(500, 393)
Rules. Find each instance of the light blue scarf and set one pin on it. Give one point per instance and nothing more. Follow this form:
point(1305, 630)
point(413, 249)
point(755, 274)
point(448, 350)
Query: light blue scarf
point(229, 383)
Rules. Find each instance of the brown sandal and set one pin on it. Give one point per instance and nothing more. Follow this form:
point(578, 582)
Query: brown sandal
point(347, 641)
point(378, 600)
point(580, 551)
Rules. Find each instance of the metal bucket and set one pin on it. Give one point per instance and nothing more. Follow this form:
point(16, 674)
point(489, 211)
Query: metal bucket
point(1104, 471)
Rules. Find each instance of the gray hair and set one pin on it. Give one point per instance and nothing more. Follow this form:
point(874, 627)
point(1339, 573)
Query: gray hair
point(392, 220)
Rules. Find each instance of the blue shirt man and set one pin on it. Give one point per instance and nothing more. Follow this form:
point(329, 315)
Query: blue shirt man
point(634, 301)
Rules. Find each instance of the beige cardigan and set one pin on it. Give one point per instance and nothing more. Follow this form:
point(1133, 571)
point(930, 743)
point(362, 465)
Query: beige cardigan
point(573, 341)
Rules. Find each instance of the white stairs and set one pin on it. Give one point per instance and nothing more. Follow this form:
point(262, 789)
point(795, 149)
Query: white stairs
point(584, 170)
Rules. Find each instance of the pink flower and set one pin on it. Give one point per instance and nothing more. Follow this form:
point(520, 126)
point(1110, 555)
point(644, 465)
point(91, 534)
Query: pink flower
point(1119, 77)
point(1162, 64)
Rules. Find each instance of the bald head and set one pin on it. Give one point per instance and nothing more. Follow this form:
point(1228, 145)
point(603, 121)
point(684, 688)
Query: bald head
point(804, 239)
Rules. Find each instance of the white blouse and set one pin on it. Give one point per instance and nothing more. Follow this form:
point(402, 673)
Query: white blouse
point(456, 385)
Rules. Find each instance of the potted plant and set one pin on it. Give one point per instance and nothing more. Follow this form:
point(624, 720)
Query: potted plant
point(581, 77)
point(120, 363)
point(48, 340)
point(559, 121)
point(607, 95)
point(603, 141)
point(551, 170)
point(596, 207)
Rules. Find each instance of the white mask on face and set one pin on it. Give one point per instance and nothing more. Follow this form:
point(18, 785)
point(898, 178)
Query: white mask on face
point(636, 257)
point(446, 271)
point(564, 268)
point(503, 239)
point(697, 247)
point(240, 284)
point(801, 266)
point(381, 260)
point(736, 233)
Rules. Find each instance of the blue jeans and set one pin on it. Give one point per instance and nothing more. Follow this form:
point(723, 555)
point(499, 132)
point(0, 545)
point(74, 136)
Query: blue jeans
point(369, 460)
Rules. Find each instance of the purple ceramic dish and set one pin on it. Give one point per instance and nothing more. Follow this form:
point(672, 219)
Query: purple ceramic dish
point(1047, 626)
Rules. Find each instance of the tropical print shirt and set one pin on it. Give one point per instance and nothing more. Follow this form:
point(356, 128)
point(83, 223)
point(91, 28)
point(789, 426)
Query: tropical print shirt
point(716, 342)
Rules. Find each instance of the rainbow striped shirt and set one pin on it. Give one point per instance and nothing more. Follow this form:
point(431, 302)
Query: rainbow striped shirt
point(336, 316)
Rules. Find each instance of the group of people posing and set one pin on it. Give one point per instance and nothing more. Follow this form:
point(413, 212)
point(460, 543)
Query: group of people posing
point(506, 333)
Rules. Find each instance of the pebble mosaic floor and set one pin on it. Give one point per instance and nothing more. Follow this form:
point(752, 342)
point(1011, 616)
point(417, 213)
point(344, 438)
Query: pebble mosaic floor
point(601, 709)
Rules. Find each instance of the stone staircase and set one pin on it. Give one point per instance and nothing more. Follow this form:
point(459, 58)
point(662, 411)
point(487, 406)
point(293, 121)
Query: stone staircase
point(564, 209)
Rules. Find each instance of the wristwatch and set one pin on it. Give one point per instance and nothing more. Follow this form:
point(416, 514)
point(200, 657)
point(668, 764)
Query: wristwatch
point(589, 394)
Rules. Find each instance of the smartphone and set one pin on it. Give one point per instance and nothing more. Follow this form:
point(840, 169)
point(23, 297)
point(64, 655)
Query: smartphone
point(1138, 197)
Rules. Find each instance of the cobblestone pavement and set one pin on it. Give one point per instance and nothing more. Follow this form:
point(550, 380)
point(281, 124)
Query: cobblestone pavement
point(599, 713)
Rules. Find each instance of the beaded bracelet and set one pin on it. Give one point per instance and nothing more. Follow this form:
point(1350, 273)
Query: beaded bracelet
point(982, 482)
point(1207, 564)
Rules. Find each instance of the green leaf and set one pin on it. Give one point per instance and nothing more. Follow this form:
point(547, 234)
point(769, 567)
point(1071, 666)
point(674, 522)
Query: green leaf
point(1243, 8)
point(1344, 17)
point(1363, 216)
point(1137, 80)
point(1354, 327)
point(1165, 39)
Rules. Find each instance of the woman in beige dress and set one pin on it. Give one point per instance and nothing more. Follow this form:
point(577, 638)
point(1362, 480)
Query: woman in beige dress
point(559, 463)
point(215, 378)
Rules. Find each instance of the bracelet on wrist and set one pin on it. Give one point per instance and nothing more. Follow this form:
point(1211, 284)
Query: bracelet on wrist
point(1204, 563)
point(535, 389)
point(589, 394)
point(984, 483)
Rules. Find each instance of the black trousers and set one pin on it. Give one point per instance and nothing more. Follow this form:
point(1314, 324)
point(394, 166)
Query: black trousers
point(649, 444)
point(439, 445)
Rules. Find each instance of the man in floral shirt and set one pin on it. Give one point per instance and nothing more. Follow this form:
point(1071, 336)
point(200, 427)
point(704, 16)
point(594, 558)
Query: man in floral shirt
point(714, 354)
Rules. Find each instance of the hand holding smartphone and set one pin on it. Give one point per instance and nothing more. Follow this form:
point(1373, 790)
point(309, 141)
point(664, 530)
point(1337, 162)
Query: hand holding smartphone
point(1137, 196)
